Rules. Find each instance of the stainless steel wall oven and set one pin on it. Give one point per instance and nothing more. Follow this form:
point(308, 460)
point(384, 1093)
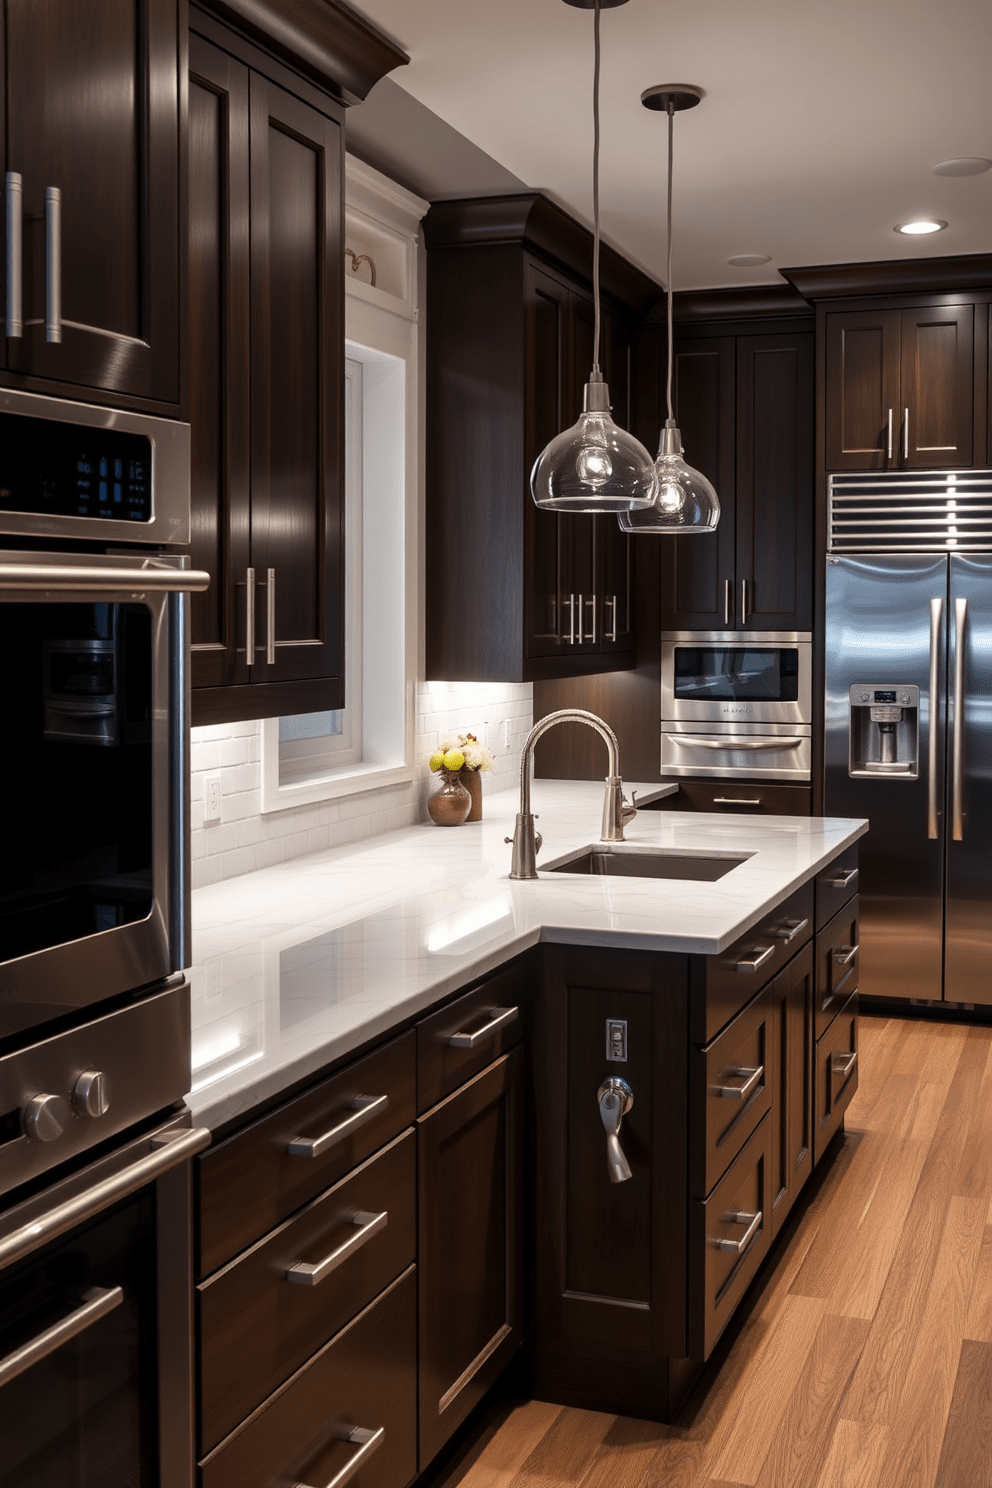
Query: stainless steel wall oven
point(95, 1140)
point(736, 705)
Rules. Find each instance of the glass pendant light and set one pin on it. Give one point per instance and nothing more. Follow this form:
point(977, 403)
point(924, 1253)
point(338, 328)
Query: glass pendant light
point(594, 466)
point(686, 501)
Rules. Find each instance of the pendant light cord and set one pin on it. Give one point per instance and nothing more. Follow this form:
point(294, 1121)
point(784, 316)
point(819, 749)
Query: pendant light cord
point(668, 286)
point(595, 193)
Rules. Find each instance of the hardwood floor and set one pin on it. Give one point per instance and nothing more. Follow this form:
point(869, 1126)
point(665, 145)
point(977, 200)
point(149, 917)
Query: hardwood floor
point(864, 1356)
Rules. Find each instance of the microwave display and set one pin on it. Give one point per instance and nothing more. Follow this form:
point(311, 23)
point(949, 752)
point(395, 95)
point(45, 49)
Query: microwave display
point(54, 469)
point(731, 673)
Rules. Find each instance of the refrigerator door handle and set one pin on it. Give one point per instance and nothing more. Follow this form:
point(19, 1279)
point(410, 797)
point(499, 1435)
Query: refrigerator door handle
point(957, 754)
point(936, 614)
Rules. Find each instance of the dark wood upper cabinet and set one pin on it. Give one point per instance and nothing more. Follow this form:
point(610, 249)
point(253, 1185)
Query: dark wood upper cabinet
point(745, 410)
point(510, 342)
point(267, 329)
point(899, 388)
point(93, 110)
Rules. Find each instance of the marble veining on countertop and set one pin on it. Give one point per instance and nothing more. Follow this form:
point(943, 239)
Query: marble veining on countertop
point(296, 965)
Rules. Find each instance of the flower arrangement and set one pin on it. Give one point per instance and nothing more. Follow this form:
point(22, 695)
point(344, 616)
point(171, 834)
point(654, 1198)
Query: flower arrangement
point(465, 753)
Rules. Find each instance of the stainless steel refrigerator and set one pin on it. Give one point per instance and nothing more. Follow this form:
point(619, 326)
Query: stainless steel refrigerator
point(909, 746)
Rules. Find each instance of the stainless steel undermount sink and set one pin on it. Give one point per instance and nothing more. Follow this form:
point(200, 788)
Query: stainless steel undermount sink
point(613, 861)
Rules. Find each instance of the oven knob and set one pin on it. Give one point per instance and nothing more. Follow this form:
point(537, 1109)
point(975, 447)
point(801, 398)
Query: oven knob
point(91, 1094)
point(45, 1117)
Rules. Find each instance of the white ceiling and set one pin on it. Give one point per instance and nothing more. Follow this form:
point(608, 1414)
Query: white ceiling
point(820, 123)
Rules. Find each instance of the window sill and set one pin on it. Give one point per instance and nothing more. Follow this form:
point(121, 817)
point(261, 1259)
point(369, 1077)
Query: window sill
point(348, 780)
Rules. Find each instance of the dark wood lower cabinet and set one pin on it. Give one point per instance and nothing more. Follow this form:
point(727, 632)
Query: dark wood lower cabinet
point(791, 995)
point(470, 1173)
point(364, 1381)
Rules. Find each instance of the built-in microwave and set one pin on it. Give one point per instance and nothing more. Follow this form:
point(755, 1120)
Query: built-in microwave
point(94, 744)
point(736, 705)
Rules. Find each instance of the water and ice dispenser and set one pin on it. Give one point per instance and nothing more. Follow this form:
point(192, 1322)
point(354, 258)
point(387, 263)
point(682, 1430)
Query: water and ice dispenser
point(884, 730)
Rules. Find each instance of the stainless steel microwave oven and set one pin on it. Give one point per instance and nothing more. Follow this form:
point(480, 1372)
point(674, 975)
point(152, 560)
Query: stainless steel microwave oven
point(736, 705)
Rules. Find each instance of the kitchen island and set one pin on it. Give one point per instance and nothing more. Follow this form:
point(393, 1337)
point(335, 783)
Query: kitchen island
point(408, 1061)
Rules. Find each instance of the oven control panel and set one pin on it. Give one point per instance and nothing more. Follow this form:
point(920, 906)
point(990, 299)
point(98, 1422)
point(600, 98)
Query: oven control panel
point(53, 469)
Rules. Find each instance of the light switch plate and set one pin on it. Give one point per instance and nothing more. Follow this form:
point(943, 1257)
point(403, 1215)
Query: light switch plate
point(211, 797)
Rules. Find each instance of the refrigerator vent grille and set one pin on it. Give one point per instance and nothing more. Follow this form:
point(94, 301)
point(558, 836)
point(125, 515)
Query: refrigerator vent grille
point(926, 511)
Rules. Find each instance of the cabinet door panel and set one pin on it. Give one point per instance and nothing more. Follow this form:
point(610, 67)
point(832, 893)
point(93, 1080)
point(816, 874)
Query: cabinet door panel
point(470, 1176)
point(93, 109)
point(792, 1110)
point(775, 482)
point(937, 386)
point(546, 315)
point(219, 386)
point(297, 387)
point(862, 389)
point(698, 567)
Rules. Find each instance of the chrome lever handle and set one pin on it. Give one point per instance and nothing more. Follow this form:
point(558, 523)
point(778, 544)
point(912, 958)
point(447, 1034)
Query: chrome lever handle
point(615, 1099)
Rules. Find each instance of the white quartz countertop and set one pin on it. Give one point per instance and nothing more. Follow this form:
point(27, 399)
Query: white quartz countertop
point(297, 965)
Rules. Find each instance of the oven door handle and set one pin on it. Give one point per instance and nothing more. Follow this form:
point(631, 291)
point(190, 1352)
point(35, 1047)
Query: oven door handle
point(96, 1305)
point(103, 580)
point(168, 1151)
point(729, 741)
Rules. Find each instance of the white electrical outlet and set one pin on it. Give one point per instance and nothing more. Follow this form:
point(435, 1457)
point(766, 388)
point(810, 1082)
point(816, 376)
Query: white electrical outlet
point(211, 797)
point(506, 734)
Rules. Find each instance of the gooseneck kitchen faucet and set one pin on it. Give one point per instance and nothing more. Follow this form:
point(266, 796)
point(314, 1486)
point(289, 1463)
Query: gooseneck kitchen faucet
point(616, 811)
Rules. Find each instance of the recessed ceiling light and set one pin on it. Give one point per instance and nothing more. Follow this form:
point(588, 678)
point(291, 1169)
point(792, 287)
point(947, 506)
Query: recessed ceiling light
point(924, 225)
point(962, 165)
point(748, 260)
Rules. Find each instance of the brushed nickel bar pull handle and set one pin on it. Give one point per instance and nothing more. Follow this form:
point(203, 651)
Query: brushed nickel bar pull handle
point(843, 1064)
point(750, 964)
point(788, 932)
point(499, 1019)
point(270, 617)
point(15, 324)
point(571, 619)
point(738, 1247)
point(363, 1108)
point(96, 1305)
point(844, 955)
point(582, 611)
point(53, 264)
point(728, 589)
point(168, 1153)
point(250, 615)
point(957, 753)
point(736, 800)
point(890, 435)
point(611, 600)
point(592, 602)
point(743, 601)
point(368, 1442)
point(845, 880)
point(303, 1273)
point(32, 576)
point(936, 616)
point(741, 1092)
point(905, 438)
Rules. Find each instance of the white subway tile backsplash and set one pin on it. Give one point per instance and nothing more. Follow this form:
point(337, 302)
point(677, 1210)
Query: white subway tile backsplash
point(244, 839)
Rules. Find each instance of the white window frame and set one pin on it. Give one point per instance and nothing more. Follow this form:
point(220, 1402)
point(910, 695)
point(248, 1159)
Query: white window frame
point(381, 334)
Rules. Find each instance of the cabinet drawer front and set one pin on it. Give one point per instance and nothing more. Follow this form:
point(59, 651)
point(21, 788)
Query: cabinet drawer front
point(365, 1378)
point(836, 1075)
point(252, 1181)
point(836, 966)
point(836, 885)
point(738, 798)
point(727, 982)
point(461, 1039)
point(729, 1236)
point(731, 1091)
point(262, 1317)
